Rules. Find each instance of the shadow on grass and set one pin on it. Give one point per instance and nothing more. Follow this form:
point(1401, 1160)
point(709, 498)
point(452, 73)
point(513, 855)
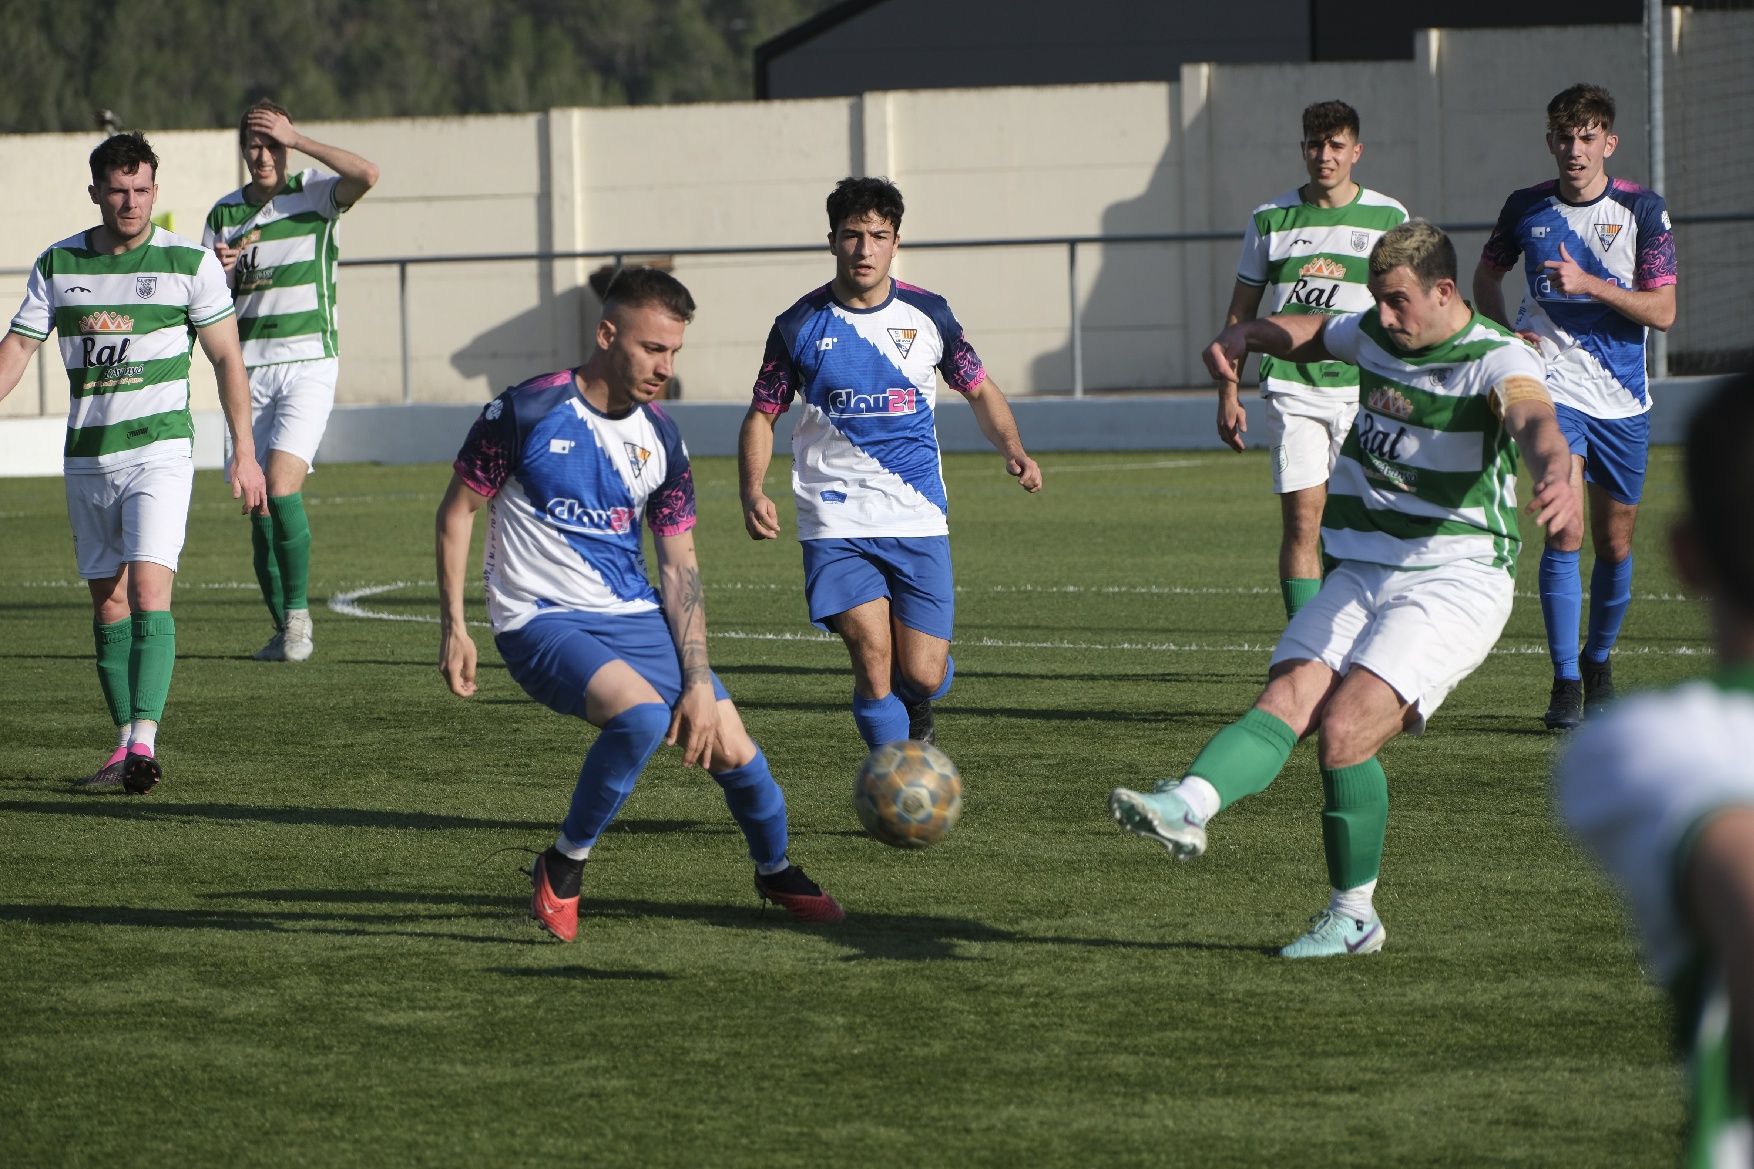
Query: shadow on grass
point(581, 973)
point(354, 925)
point(134, 808)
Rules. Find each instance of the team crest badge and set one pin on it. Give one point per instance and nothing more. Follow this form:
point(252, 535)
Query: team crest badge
point(636, 457)
point(1360, 240)
point(1439, 377)
point(494, 409)
point(145, 286)
point(1606, 234)
point(903, 338)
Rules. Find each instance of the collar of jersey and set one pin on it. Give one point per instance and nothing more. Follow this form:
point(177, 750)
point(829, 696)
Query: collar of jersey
point(876, 308)
point(1606, 191)
point(579, 393)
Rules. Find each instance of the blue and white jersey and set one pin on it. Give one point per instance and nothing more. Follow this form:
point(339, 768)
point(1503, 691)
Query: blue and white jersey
point(1594, 355)
point(865, 458)
point(570, 486)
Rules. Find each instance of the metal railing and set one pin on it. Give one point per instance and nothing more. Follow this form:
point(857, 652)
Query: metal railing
point(618, 257)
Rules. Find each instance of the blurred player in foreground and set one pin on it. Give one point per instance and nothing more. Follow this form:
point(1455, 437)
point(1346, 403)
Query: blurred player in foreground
point(1307, 249)
point(278, 238)
point(1421, 516)
point(863, 354)
point(569, 464)
point(127, 299)
point(1599, 268)
point(1661, 789)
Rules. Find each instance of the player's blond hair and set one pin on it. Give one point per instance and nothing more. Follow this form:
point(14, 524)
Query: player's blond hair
point(1421, 247)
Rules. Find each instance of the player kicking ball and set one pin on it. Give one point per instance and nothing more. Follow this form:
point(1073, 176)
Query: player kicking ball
point(569, 464)
point(1421, 516)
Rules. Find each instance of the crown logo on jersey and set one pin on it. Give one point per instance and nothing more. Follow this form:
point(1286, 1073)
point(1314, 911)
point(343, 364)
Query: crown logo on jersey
point(1324, 269)
point(1385, 400)
point(903, 338)
point(106, 322)
point(1606, 234)
point(636, 457)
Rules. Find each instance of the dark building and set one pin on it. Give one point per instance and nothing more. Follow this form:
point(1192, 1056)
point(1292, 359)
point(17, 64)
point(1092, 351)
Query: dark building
point(864, 45)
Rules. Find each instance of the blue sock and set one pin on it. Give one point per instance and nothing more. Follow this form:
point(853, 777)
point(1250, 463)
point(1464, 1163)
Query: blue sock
point(910, 695)
point(612, 766)
point(1561, 606)
point(1610, 594)
point(880, 720)
point(758, 806)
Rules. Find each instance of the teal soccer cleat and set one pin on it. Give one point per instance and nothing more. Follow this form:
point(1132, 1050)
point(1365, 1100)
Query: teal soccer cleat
point(1162, 815)
point(1333, 935)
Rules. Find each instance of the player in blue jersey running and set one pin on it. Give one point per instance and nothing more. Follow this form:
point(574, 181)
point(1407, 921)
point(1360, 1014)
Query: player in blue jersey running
point(1599, 265)
point(863, 353)
point(569, 465)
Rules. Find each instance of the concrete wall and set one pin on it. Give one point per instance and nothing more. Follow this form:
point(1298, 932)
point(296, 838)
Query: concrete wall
point(1450, 133)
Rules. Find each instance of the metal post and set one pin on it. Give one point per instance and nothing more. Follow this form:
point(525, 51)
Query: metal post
point(1077, 319)
point(407, 349)
point(1656, 48)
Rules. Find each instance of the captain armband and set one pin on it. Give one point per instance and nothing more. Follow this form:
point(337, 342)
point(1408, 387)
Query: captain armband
point(1520, 388)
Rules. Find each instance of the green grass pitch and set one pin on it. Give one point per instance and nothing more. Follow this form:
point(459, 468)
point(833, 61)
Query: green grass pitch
point(308, 946)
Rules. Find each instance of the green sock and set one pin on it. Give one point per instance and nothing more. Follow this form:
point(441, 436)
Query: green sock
point(292, 547)
point(267, 571)
point(1297, 593)
point(114, 644)
point(1355, 816)
point(150, 662)
point(1245, 756)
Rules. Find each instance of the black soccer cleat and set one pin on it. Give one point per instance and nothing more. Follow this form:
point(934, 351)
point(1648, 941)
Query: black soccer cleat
point(1565, 706)
point(140, 773)
point(799, 896)
point(921, 726)
point(1598, 686)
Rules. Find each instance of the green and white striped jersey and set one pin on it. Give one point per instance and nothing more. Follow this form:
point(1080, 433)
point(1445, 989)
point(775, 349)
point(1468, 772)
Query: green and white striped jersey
point(126, 325)
point(285, 273)
point(1427, 475)
point(1635, 786)
point(1314, 260)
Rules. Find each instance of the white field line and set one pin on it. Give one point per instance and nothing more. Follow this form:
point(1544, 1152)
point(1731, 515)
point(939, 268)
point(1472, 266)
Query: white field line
point(348, 604)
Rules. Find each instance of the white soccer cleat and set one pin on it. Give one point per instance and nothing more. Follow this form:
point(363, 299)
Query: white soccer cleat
point(298, 643)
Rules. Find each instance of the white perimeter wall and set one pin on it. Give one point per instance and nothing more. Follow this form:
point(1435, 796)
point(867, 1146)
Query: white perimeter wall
point(1450, 133)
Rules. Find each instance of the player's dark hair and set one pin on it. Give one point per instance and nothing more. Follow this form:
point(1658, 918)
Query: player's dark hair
point(648, 288)
point(1418, 245)
point(857, 198)
point(1579, 108)
point(1324, 119)
point(260, 103)
point(126, 152)
point(1719, 479)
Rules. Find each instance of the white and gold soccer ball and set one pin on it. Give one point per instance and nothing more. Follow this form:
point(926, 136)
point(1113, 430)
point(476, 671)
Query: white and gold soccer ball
point(908, 794)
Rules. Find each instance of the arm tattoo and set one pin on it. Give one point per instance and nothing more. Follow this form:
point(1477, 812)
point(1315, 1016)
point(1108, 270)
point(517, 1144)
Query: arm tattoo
point(691, 618)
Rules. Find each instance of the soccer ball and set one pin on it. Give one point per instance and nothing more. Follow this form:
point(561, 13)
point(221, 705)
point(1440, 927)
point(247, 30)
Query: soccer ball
point(908, 794)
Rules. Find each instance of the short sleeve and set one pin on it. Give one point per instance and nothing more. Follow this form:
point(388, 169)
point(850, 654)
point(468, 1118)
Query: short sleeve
point(960, 365)
point(1251, 265)
point(776, 384)
point(1656, 244)
point(322, 190)
point(210, 299)
point(36, 316)
point(1503, 247)
point(1340, 337)
point(670, 509)
point(489, 454)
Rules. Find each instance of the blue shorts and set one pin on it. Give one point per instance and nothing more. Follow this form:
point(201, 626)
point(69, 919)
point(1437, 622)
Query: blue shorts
point(1614, 450)
point(912, 571)
point(555, 655)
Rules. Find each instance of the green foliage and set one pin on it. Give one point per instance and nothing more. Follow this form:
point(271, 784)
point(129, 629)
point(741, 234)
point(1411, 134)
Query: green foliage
point(186, 64)
point(308, 947)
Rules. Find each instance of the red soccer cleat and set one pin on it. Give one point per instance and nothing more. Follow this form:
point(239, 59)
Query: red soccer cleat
point(799, 896)
point(554, 913)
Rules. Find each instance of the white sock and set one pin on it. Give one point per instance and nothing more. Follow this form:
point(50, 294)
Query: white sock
point(567, 848)
point(1201, 797)
point(122, 733)
point(773, 867)
point(1354, 903)
point(144, 731)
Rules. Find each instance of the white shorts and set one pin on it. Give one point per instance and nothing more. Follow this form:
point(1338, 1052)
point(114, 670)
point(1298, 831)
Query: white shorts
point(129, 514)
point(289, 408)
point(1304, 433)
point(1420, 630)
